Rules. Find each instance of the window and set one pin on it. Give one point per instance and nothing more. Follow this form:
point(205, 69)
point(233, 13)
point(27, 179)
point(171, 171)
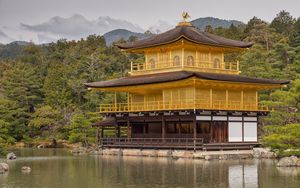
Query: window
point(176, 61)
point(154, 128)
point(203, 127)
point(186, 128)
point(172, 128)
point(190, 61)
point(152, 63)
point(217, 63)
point(182, 128)
point(137, 128)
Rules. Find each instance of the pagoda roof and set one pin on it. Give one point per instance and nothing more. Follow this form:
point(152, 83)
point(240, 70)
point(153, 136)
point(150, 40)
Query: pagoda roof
point(187, 32)
point(180, 75)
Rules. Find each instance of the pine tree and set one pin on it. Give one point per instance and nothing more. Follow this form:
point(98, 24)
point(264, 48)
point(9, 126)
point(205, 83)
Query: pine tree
point(283, 23)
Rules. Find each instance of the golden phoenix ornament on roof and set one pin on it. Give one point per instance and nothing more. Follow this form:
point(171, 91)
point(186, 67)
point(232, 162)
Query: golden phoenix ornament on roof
point(185, 16)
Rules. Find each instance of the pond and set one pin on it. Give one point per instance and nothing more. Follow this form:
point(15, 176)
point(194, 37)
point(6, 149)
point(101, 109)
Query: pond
point(55, 168)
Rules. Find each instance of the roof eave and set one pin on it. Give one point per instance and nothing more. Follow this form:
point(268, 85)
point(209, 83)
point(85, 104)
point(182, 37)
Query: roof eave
point(179, 38)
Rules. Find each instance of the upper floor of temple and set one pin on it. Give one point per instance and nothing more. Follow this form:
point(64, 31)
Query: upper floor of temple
point(184, 48)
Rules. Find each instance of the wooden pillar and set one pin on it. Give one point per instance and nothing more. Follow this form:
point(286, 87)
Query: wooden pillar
point(128, 101)
point(102, 136)
point(157, 62)
point(256, 101)
point(194, 129)
point(242, 100)
point(211, 98)
point(116, 134)
point(182, 58)
point(210, 60)
point(102, 132)
point(97, 137)
point(194, 132)
point(194, 100)
point(227, 99)
point(163, 126)
point(128, 129)
point(146, 60)
point(197, 59)
point(144, 128)
point(115, 101)
point(170, 58)
point(222, 63)
point(119, 131)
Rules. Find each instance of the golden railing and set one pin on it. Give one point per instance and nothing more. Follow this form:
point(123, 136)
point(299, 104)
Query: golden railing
point(205, 66)
point(181, 105)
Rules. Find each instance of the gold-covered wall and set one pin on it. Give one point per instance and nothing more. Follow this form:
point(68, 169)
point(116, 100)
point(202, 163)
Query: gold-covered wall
point(195, 98)
point(183, 55)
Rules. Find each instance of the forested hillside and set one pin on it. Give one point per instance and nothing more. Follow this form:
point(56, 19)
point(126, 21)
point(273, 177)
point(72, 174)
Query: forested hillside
point(201, 23)
point(42, 96)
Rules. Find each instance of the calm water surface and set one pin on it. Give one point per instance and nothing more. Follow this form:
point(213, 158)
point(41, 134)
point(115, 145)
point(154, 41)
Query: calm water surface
point(55, 168)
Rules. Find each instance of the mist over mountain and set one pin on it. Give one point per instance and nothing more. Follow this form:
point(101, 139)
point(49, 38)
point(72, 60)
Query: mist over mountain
point(77, 27)
point(4, 38)
point(160, 26)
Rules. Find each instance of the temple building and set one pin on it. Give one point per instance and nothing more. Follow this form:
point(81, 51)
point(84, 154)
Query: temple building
point(185, 95)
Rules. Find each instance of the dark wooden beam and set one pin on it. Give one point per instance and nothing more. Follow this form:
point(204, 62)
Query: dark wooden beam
point(128, 129)
point(163, 125)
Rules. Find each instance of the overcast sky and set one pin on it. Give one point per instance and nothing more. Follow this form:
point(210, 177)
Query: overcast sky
point(14, 13)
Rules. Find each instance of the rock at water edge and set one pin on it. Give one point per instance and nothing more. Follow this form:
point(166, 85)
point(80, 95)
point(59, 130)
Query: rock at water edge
point(3, 168)
point(11, 156)
point(287, 162)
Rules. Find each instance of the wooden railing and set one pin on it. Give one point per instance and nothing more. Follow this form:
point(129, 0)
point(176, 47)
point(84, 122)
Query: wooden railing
point(204, 66)
point(182, 105)
point(183, 143)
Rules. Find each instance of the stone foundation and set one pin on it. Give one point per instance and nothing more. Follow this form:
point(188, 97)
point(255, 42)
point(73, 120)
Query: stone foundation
point(205, 155)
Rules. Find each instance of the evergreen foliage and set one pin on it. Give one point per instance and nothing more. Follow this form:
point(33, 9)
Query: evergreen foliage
point(283, 137)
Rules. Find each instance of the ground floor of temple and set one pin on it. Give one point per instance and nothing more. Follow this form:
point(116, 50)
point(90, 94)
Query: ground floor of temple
point(181, 130)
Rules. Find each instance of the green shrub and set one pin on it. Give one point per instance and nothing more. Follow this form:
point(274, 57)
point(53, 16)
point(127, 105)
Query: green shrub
point(282, 137)
point(286, 153)
point(3, 151)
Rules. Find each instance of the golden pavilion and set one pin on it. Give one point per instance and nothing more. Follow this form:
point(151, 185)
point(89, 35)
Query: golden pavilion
point(184, 96)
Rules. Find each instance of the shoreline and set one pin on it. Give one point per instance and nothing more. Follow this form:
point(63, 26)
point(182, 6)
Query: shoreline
point(258, 153)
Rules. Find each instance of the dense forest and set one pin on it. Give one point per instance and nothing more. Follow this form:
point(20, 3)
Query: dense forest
point(42, 96)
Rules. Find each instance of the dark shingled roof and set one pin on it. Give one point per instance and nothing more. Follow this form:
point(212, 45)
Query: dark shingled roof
point(179, 75)
point(189, 33)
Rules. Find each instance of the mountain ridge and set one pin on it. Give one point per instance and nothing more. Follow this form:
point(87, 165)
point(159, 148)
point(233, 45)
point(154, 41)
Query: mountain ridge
point(201, 23)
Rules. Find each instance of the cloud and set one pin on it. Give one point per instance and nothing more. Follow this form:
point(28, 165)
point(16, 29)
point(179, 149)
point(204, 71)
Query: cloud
point(46, 38)
point(77, 26)
point(161, 26)
point(4, 38)
point(2, 34)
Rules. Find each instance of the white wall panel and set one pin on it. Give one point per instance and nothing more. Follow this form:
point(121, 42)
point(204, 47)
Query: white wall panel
point(203, 118)
point(220, 118)
point(234, 118)
point(235, 132)
point(250, 131)
point(250, 118)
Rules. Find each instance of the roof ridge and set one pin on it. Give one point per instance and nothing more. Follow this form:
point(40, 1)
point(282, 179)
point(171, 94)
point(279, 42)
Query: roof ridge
point(190, 33)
